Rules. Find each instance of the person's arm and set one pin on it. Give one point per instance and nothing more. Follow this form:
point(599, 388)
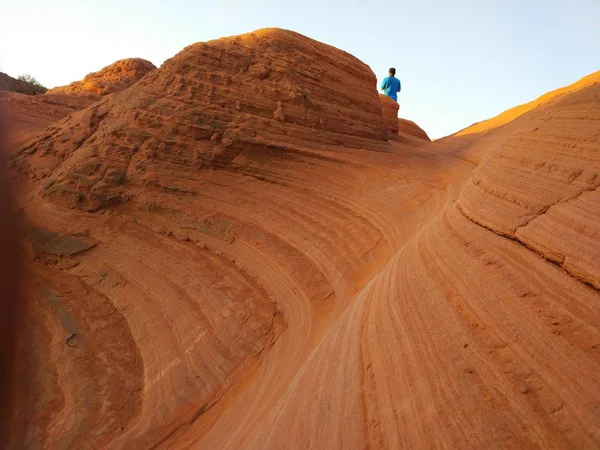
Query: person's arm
point(384, 84)
point(399, 85)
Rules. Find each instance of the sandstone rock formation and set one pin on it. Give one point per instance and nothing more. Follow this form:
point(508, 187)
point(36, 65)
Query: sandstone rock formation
point(402, 130)
point(407, 128)
point(113, 78)
point(206, 272)
point(390, 113)
point(515, 112)
point(541, 187)
point(184, 117)
point(25, 114)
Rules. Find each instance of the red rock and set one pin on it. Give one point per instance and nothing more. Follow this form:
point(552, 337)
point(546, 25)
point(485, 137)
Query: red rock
point(193, 97)
point(541, 186)
point(511, 114)
point(409, 129)
point(248, 282)
point(113, 78)
point(390, 113)
point(27, 114)
point(402, 130)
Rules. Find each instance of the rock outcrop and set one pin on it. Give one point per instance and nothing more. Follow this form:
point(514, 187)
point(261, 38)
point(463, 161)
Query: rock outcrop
point(541, 187)
point(390, 113)
point(10, 84)
point(26, 114)
point(113, 78)
point(230, 254)
point(408, 128)
point(206, 108)
point(400, 129)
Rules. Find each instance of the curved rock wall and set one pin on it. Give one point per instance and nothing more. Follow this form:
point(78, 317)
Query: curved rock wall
point(540, 185)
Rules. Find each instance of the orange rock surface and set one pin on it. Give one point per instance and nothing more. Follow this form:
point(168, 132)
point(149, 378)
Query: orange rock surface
point(541, 186)
point(199, 111)
point(390, 113)
point(230, 254)
point(511, 114)
point(113, 78)
point(403, 130)
point(409, 129)
point(26, 114)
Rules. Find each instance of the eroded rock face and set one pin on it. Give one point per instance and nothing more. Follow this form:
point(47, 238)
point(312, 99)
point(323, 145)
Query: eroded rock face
point(540, 185)
point(408, 128)
point(26, 114)
point(113, 78)
point(250, 280)
point(511, 114)
point(400, 129)
point(205, 107)
point(390, 113)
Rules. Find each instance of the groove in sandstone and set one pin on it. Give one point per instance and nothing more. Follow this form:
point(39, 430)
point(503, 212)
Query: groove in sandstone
point(199, 413)
point(372, 427)
point(247, 368)
point(552, 205)
point(230, 393)
point(528, 247)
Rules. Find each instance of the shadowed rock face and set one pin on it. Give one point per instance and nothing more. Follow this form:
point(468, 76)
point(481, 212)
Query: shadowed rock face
point(10, 84)
point(390, 113)
point(261, 272)
point(114, 78)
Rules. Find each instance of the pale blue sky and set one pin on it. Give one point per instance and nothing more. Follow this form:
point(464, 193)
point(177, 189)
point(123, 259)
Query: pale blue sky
point(459, 61)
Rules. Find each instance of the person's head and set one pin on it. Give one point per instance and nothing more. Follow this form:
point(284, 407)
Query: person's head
point(392, 71)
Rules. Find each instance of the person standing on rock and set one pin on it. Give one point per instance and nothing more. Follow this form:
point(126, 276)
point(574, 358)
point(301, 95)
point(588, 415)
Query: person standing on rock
point(391, 85)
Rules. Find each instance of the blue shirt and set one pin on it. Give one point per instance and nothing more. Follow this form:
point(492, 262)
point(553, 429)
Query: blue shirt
point(391, 87)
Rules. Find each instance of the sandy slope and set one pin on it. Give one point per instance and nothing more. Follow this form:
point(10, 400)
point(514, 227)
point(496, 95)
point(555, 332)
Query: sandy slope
point(247, 262)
